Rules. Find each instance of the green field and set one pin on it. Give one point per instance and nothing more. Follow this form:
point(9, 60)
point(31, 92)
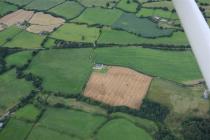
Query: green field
point(171, 65)
point(27, 113)
point(99, 3)
point(109, 36)
point(159, 4)
point(43, 5)
point(68, 10)
point(204, 2)
point(145, 12)
point(148, 125)
point(20, 41)
point(15, 130)
point(99, 16)
point(148, 12)
point(130, 6)
point(12, 90)
point(19, 2)
point(50, 43)
point(140, 26)
point(120, 129)
point(76, 33)
point(8, 34)
point(18, 59)
point(41, 133)
point(64, 71)
point(72, 122)
point(6, 8)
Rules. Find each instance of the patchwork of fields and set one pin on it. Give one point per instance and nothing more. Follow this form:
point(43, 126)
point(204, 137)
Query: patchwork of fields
point(98, 70)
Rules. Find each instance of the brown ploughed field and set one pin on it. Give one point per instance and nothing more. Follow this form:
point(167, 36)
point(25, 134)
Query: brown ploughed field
point(16, 17)
point(118, 87)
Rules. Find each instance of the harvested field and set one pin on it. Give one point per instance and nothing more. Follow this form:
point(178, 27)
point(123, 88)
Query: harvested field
point(118, 87)
point(45, 19)
point(16, 17)
point(41, 22)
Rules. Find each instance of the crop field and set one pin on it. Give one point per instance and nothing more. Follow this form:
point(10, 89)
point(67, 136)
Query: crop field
point(41, 22)
point(19, 2)
point(99, 70)
point(8, 34)
point(93, 16)
point(120, 129)
point(15, 130)
point(5, 8)
point(184, 66)
point(118, 87)
point(140, 26)
point(43, 5)
point(20, 41)
point(76, 33)
point(12, 90)
point(130, 7)
point(99, 3)
point(109, 36)
point(68, 9)
point(82, 124)
point(18, 59)
point(16, 17)
point(67, 74)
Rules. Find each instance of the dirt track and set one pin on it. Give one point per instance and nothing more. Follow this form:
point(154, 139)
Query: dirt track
point(119, 86)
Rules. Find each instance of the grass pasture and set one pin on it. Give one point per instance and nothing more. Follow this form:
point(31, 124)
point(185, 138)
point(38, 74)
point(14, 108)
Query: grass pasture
point(76, 33)
point(43, 5)
point(109, 36)
point(20, 41)
point(74, 104)
point(19, 2)
point(50, 43)
point(8, 34)
point(15, 130)
point(27, 113)
point(18, 59)
point(42, 133)
point(148, 125)
point(68, 9)
point(177, 66)
point(140, 26)
point(130, 6)
point(62, 70)
point(148, 12)
point(159, 4)
point(71, 122)
point(181, 100)
point(12, 90)
point(6, 8)
point(99, 15)
point(145, 12)
point(121, 129)
point(99, 3)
